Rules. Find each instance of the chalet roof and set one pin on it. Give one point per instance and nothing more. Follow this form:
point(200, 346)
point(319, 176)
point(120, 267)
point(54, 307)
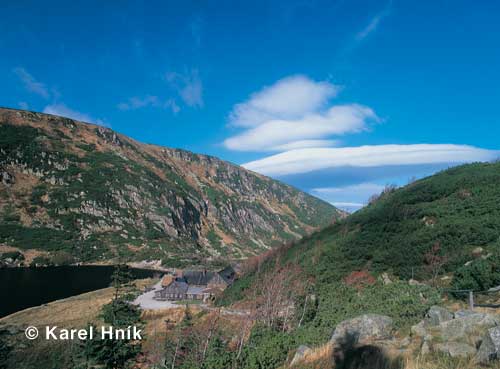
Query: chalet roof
point(195, 290)
point(228, 274)
point(176, 287)
point(200, 278)
point(218, 280)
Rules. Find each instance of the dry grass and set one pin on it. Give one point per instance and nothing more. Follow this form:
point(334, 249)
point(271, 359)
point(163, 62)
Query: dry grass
point(443, 362)
point(322, 358)
point(75, 311)
point(318, 358)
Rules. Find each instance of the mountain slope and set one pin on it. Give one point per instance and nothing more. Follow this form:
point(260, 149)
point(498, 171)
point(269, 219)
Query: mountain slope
point(340, 266)
point(96, 194)
point(455, 211)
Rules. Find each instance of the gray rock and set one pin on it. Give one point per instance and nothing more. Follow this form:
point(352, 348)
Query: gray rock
point(437, 315)
point(455, 349)
point(385, 278)
point(425, 349)
point(462, 313)
point(6, 178)
point(466, 325)
point(490, 346)
point(419, 330)
point(414, 282)
point(477, 251)
point(364, 328)
point(299, 354)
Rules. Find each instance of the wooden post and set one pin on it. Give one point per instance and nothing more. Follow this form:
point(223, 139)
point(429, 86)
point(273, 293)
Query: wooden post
point(471, 300)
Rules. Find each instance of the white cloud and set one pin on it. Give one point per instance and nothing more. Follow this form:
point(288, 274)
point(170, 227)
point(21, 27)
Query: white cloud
point(277, 135)
point(306, 143)
point(63, 111)
point(135, 102)
point(31, 84)
point(373, 24)
point(288, 98)
point(370, 188)
point(293, 113)
point(313, 159)
point(139, 102)
point(189, 87)
point(172, 104)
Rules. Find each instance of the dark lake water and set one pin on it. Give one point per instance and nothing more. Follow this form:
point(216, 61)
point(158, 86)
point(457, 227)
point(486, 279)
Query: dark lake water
point(21, 288)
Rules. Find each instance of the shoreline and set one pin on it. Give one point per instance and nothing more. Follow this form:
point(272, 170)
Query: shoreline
point(132, 264)
point(81, 296)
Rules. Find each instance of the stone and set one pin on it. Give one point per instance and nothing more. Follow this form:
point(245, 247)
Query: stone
point(462, 313)
point(437, 315)
point(385, 278)
point(299, 354)
point(6, 178)
point(364, 328)
point(466, 325)
point(455, 349)
point(477, 251)
point(425, 349)
point(418, 330)
point(414, 282)
point(490, 346)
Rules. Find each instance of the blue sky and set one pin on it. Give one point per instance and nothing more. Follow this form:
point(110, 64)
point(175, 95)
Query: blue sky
point(337, 98)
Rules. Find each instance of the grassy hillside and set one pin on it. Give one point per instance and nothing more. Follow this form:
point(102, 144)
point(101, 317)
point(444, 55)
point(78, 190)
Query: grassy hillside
point(456, 209)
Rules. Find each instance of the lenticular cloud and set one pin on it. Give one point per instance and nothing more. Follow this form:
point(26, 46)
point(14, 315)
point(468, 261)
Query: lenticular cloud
point(312, 159)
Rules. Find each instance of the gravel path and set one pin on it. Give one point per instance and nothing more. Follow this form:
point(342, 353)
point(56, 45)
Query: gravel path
point(146, 301)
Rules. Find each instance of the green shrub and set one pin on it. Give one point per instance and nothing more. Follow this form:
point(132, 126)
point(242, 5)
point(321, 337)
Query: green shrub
point(266, 348)
point(40, 260)
point(479, 275)
point(14, 255)
point(337, 302)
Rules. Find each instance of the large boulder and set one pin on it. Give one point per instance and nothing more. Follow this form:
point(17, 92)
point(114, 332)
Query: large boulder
point(419, 330)
point(467, 325)
point(490, 346)
point(437, 315)
point(459, 334)
point(455, 349)
point(364, 328)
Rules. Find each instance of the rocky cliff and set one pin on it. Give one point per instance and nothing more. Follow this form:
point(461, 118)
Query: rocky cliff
point(89, 193)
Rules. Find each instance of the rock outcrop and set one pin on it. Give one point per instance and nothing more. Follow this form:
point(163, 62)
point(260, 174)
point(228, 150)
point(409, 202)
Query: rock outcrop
point(437, 315)
point(364, 328)
point(459, 334)
point(490, 346)
point(97, 194)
